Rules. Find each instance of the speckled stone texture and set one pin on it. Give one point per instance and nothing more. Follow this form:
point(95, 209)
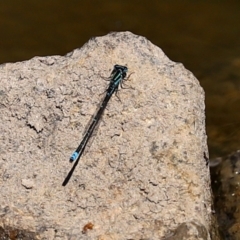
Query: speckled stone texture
point(145, 174)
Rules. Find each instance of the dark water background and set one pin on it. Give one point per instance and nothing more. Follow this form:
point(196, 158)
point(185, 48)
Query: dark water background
point(203, 35)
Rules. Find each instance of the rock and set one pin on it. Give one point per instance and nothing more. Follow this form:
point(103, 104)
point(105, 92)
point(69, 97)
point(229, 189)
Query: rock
point(27, 183)
point(146, 172)
point(225, 184)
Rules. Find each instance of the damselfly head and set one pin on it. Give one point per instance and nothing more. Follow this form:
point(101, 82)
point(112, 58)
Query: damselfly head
point(117, 67)
point(120, 71)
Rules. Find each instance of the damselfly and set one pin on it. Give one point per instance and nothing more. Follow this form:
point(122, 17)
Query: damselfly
point(116, 78)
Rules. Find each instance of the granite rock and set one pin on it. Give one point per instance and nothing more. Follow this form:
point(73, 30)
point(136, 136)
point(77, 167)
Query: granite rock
point(145, 173)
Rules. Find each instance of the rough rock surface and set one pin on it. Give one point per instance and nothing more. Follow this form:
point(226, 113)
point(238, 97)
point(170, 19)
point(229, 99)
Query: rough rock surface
point(145, 174)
